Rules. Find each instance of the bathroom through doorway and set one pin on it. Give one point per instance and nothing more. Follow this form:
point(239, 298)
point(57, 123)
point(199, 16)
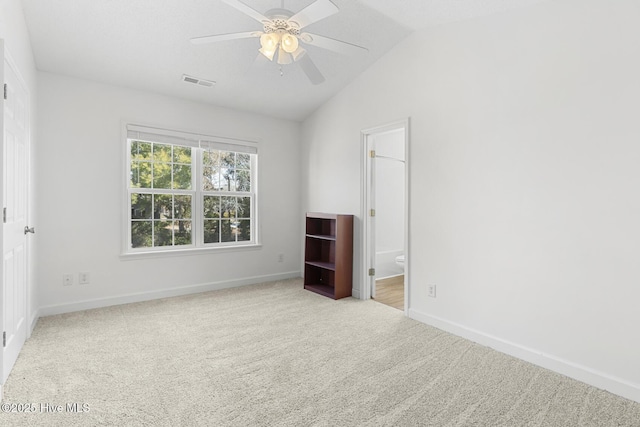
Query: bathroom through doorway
point(386, 236)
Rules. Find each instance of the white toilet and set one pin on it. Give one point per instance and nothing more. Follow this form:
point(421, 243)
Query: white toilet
point(400, 260)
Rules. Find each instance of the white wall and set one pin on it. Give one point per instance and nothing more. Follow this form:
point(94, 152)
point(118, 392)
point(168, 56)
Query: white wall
point(524, 179)
point(13, 31)
point(82, 188)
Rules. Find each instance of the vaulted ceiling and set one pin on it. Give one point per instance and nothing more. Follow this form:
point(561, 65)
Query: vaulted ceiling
point(144, 44)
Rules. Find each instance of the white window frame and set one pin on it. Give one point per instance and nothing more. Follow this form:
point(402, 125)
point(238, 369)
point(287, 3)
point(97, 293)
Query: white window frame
point(199, 144)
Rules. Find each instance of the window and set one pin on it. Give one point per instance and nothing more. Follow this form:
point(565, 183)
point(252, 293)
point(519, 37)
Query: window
point(187, 191)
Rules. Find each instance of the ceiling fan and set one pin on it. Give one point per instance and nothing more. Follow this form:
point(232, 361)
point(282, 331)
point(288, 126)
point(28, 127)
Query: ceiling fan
point(281, 36)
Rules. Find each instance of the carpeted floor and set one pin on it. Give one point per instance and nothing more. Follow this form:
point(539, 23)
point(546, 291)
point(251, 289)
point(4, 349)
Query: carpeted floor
point(275, 354)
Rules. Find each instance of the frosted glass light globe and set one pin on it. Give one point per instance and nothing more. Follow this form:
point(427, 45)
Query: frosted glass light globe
point(289, 43)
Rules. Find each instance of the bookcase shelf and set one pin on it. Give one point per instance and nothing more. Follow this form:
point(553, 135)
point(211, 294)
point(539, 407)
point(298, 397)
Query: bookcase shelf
point(328, 255)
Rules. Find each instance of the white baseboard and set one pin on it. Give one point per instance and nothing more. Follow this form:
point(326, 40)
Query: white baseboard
point(34, 321)
point(355, 293)
point(164, 293)
point(570, 369)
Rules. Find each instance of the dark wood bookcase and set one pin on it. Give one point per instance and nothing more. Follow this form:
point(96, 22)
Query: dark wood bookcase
point(328, 254)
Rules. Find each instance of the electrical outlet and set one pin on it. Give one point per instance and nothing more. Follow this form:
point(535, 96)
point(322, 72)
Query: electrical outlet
point(431, 291)
point(280, 257)
point(84, 278)
point(67, 279)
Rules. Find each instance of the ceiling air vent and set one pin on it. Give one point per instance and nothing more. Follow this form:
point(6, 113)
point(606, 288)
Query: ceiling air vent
point(197, 81)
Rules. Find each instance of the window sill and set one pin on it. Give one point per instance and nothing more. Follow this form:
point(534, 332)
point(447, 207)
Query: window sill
point(129, 256)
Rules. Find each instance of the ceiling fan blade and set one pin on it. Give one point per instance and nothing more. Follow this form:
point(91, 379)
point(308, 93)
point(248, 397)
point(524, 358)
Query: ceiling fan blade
point(314, 13)
point(224, 37)
point(332, 44)
point(310, 69)
point(247, 10)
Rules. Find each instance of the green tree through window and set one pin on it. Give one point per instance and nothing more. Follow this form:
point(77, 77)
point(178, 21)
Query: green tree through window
point(183, 196)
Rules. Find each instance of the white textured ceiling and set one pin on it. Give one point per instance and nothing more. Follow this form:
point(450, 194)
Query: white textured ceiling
point(419, 14)
point(144, 44)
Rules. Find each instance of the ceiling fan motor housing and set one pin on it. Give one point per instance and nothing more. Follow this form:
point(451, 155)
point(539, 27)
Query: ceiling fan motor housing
point(279, 22)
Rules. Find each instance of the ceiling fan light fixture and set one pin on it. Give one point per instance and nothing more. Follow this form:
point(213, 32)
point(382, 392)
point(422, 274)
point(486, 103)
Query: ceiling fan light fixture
point(267, 53)
point(270, 41)
point(284, 57)
point(269, 44)
point(289, 43)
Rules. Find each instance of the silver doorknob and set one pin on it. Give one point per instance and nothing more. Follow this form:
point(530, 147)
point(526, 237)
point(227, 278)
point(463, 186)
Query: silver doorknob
point(28, 229)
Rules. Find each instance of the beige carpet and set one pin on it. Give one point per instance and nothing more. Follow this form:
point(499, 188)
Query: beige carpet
point(275, 354)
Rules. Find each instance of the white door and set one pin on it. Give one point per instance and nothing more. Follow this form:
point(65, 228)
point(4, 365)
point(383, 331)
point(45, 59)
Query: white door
point(14, 238)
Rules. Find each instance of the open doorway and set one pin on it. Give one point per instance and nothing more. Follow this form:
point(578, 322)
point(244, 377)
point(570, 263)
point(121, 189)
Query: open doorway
point(386, 214)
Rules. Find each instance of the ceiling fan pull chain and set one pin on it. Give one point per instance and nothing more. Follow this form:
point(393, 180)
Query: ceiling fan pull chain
point(281, 72)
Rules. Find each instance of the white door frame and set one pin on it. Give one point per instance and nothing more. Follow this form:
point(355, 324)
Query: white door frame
point(368, 251)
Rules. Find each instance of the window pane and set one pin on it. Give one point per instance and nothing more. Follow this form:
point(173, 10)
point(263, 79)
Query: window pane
point(243, 231)
point(182, 207)
point(162, 175)
point(227, 160)
point(228, 207)
point(243, 161)
point(226, 234)
point(140, 174)
point(211, 231)
point(140, 150)
point(210, 171)
point(244, 207)
point(227, 171)
point(162, 153)
point(167, 219)
point(141, 234)
point(209, 178)
point(162, 231)
point(162, 206)
point(211, 158)
point(211, 207)
point(141, 206)
point(182, 155)
point(182, 232)
point(243, 180)
point(182, 177)
point(227, 180)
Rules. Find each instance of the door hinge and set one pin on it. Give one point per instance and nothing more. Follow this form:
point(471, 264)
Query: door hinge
point(372, 272)
point(4, 339)
point(372, 212)
point(4, 215)
point(5, 91)
point(372, 153)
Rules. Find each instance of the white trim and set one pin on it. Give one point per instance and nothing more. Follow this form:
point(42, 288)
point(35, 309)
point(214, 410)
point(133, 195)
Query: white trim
point(365, 288)
point(159, 134)
point(165, 293)
point(34, 321)
point(199, 142)
point(554, 363)
point(128, 256)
